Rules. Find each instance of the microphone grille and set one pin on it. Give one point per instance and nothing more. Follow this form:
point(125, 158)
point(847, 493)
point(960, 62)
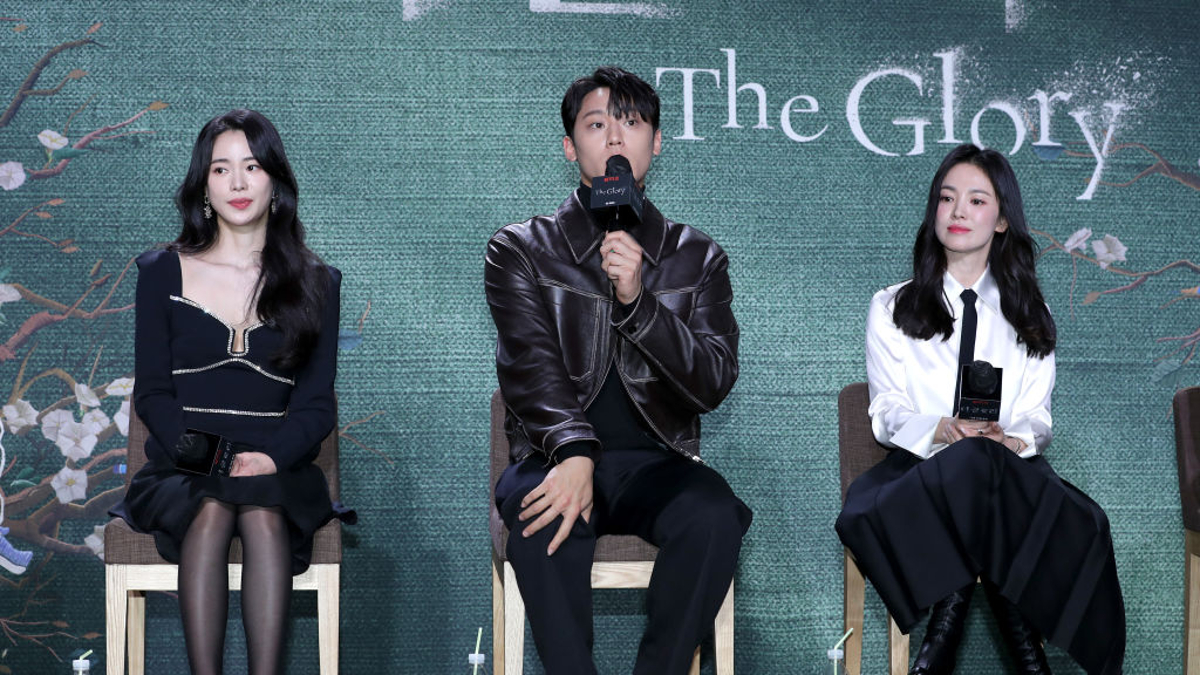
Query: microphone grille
point(617, 164)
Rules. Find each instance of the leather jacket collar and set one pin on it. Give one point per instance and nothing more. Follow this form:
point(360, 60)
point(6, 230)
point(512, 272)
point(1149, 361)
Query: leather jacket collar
point(572, 214)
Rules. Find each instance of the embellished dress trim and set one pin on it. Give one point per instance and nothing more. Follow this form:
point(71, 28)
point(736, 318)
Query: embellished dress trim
point(236, 359)
point(228, 411)
point(231, 329)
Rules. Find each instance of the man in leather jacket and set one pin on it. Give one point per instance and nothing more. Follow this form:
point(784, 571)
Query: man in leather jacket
point(609, 347)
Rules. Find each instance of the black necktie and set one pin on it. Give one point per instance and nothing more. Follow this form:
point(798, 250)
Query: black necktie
point(966, 344)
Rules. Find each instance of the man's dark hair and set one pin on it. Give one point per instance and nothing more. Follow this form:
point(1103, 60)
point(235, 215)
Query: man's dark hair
point(628, 94)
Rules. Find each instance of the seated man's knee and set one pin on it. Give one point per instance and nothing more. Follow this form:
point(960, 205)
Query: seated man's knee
point(580, 542)
point(510, 509)
point(723, 519)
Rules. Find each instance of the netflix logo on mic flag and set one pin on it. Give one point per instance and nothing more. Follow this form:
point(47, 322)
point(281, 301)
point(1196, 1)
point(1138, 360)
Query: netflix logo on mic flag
point(617, 192)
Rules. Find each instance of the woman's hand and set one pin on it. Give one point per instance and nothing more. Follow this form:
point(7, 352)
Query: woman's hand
point(252, 464)
point(951, 430)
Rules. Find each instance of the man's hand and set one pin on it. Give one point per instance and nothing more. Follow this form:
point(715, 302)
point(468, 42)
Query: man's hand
point(565, 491)
point(621, 260)
point(252, 464)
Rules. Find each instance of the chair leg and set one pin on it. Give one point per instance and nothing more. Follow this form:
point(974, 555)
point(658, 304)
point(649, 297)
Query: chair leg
point(497, 617)
point(117, 611)
point(723, 636)
point(898, 646)
point(514, 624)
point(136, 626)
point(853, 594)
point(329, 584)
point(1191, 616)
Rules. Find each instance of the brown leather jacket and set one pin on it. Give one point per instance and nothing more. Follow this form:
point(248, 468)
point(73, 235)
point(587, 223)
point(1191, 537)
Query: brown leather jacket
point(676, 349)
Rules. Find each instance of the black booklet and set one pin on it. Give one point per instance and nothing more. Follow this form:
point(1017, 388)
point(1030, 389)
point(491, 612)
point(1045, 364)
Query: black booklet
point(204, 454)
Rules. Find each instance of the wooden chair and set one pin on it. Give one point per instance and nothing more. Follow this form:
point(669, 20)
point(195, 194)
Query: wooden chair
point(858, 451)
point(1187, 455)
point(621, 561)
point(133, 567)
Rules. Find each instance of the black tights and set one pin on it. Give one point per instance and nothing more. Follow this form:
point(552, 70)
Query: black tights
point(266, 585)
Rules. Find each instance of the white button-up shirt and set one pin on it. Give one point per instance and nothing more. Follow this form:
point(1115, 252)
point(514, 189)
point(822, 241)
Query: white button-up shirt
point(912, 381)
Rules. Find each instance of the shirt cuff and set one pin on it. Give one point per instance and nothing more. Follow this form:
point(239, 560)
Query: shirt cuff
point(916, 436)
point(1024, 431)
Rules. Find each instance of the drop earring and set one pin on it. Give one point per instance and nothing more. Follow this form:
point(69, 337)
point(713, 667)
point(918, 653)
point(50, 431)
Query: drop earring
point(274, 202)
point(207, 208)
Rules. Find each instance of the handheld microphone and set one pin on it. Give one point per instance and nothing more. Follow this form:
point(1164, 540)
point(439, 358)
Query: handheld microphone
point(979, 398)
point(618, 192)
point(205, 454)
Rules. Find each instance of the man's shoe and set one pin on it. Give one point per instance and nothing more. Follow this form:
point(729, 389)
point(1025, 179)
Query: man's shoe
point(1022, 639)
point(939, 650)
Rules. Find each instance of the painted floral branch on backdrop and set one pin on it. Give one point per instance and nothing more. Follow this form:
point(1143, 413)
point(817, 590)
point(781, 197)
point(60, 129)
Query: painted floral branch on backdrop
point(62, 463)
point(1161, 166)
point(71, 455)
point(27, 87)
point(56, 145)
point(57, 312)
point(41, 211)
point(1107, 250)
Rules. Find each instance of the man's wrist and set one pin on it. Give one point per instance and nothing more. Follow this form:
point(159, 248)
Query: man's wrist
point(631, 303)
point(622, 309)
point(577, 449)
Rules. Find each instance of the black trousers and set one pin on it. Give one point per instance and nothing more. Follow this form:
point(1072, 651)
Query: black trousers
point(683, 507)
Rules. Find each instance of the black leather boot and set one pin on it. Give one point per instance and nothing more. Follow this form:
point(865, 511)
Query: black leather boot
point(1020, 637)
point(939, 650)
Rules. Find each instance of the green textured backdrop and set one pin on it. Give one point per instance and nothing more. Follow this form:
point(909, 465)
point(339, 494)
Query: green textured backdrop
point(418, 127)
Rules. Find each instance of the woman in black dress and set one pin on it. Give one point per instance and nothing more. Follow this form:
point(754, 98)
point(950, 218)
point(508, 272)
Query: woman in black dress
point(957, 498)
point(236, 337)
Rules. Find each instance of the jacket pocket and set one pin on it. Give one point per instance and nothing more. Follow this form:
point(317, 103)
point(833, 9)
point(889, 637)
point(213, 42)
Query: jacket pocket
point(576, 316)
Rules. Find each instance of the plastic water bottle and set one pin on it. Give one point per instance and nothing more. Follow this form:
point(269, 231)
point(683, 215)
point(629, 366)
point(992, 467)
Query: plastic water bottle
point(837, 661)
point(475, 659)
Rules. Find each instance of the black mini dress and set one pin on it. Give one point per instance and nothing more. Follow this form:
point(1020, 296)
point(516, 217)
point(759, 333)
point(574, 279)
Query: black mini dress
point(188, 376)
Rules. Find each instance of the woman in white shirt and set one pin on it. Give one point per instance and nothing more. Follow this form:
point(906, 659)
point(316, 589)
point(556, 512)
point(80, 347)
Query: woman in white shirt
point(959, 499)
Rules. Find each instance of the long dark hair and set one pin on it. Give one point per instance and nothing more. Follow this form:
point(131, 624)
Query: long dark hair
point(292, 281)
point(921, 311)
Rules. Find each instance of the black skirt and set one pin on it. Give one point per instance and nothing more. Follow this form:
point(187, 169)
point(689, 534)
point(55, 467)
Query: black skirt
point(920, 530)
point(163, 502)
